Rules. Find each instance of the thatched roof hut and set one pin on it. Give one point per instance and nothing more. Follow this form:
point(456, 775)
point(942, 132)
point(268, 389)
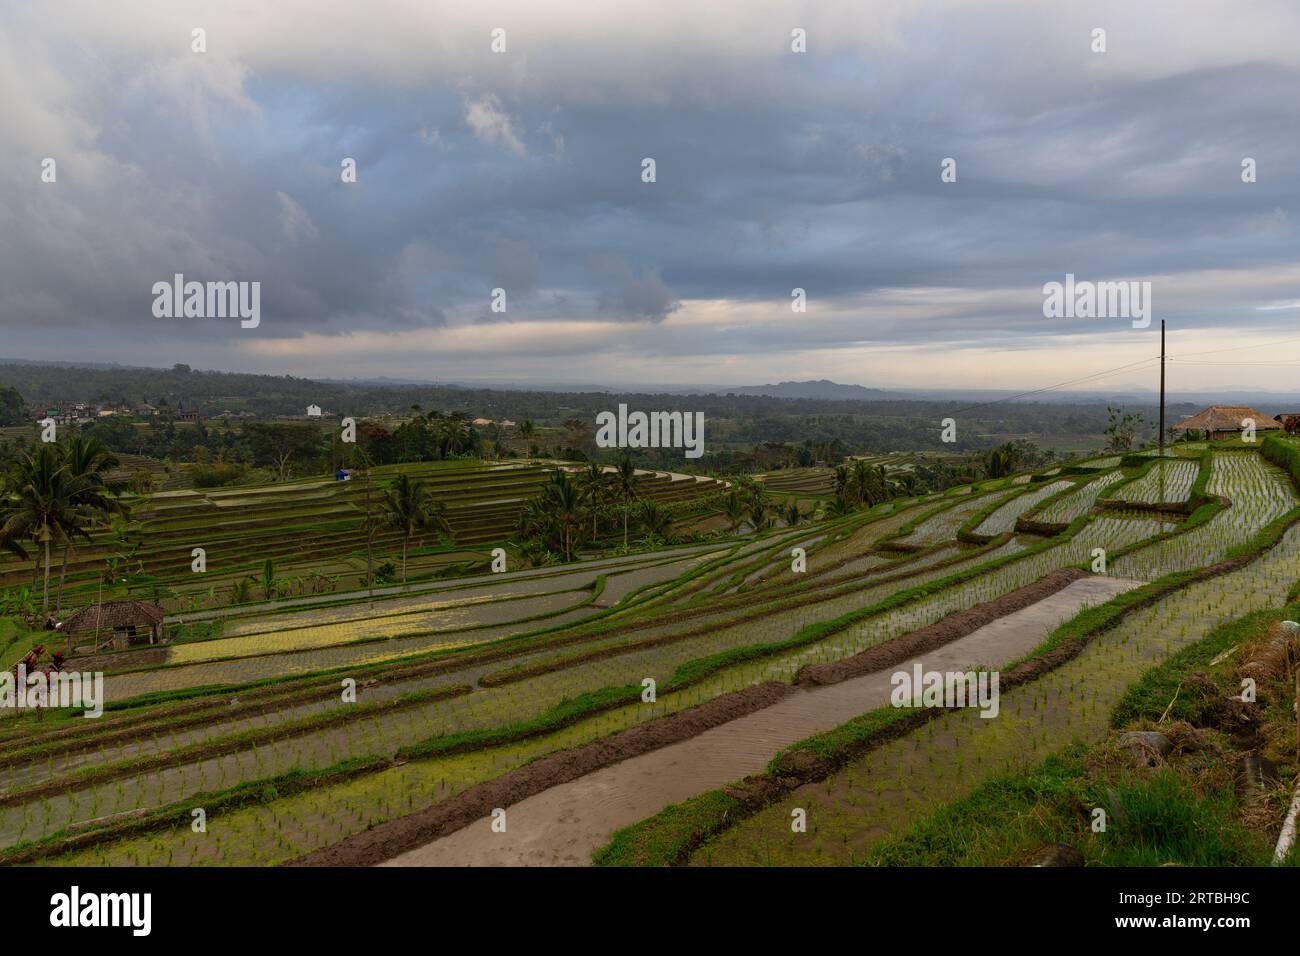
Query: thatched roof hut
point(124, 622)
point(1224, 421)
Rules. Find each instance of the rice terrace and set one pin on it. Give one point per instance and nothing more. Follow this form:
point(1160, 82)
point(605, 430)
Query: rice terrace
point(852, 446)
point(640, 667)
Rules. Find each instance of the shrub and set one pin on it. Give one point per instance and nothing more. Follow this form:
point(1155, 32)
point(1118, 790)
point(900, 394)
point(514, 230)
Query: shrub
point(216, 475)
point(1284, 454)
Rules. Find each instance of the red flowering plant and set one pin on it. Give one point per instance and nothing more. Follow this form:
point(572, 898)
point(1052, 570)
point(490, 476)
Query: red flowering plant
point(32, 664)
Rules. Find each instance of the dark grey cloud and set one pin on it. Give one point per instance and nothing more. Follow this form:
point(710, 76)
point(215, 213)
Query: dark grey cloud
point(522, 172)
point(630, 294)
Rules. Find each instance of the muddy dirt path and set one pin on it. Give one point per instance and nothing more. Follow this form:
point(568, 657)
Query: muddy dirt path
point(563, 825)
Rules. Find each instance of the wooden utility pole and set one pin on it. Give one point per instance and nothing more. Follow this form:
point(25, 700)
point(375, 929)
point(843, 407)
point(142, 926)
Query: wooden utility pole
point(1162, 387)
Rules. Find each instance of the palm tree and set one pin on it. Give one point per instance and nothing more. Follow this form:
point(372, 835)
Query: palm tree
point(526, 428)
point(909, 483)
point(594, 485)
point(793, 515)
point(658, 523)
point(91, 494)
point(842, 482)
point(534, 521)
point(758, 512)
point(36, 505)
point(625, 487)
point(997, 463)
point(555, 514)
point(456, 435)
point(862, 481)
point(564, 504)
point(733, 506)
point(839, 508)
point(410, 510)
point(885, 487)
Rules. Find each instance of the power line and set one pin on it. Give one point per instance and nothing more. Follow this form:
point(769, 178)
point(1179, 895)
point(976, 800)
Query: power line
point(1047, 388)
point(1242, 364)
point(1238, 348)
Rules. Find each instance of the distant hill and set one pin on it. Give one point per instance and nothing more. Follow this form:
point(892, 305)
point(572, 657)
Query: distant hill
point(820, 389)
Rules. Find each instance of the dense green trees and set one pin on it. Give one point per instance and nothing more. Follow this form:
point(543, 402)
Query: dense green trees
point(565, 516)
point(427, 436)
point(56, 493)
point(555, 519)
point(12, 409)
point(860, 484)
point(1014, 456)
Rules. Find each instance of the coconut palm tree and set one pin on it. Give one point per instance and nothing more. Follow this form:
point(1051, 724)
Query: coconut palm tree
point(793, 515)
point(456, 435)
point(733, 506)
point(36, 506)
point(624, 481)
point(862, 480)
point(92, 496)
point(656, 521)
point(566, 502)
point(410, 509)
point(998, 463)
point(758, 511)
point(555, 516)
point(594, 487)
point(910, 483)
point(839, 508)
point(842, 482)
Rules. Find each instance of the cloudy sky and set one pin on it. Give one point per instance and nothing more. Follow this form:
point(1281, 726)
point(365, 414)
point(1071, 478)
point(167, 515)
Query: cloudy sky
point(522, 171)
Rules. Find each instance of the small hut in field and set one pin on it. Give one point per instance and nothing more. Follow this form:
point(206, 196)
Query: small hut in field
point(1226, 421)
point(1289, 421)
point(118, 624)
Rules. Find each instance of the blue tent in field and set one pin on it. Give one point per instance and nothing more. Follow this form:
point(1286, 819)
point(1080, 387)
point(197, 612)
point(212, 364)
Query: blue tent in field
point(342, 475)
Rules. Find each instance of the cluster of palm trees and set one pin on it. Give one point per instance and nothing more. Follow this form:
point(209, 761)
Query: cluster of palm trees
point(567, 512)
point(455, 435)
point(862, 485)
point(748, 502)
point(433, 435)
point(53, 496)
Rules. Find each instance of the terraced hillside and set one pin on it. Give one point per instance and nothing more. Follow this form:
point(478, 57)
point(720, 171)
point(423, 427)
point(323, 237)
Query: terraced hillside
point(314, 530)
point(812, 483)
point(613, 706)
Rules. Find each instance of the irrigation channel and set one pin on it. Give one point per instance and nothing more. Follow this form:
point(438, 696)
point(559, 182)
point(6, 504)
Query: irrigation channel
point(877, 795)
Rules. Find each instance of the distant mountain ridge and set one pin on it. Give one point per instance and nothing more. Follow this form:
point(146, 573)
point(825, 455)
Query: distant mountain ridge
point(43, 381)
point(821, 388)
